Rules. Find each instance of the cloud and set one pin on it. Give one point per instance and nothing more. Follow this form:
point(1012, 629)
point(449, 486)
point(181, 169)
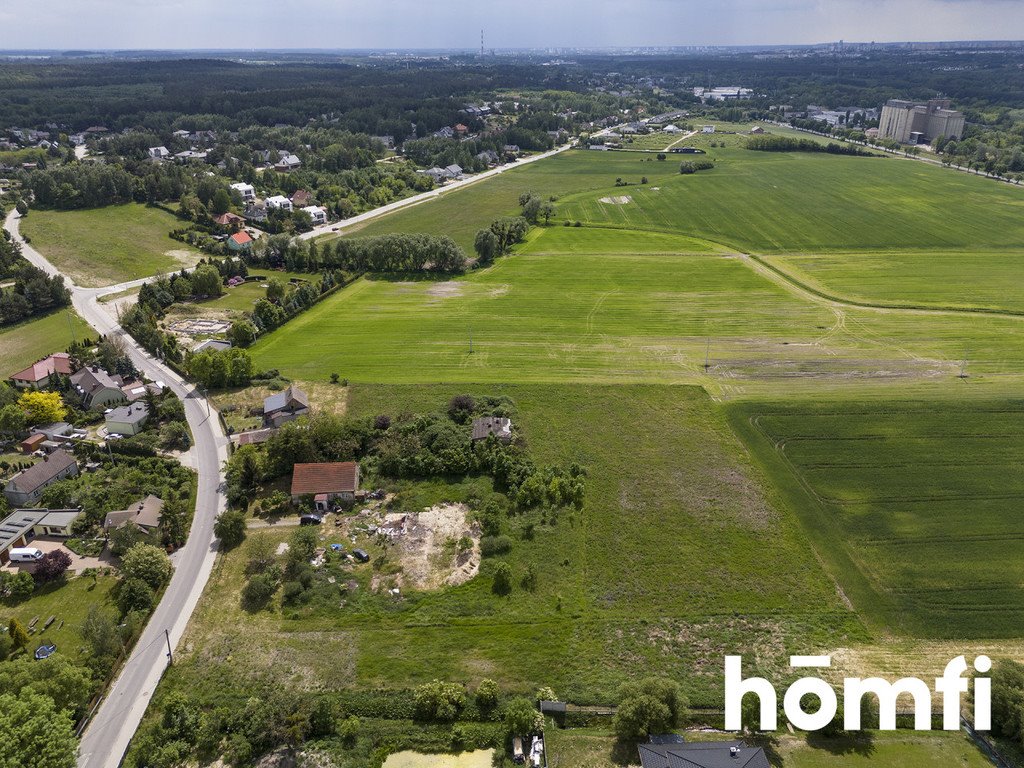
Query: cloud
point(529, 23)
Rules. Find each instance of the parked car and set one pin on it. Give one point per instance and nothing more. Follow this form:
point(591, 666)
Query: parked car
point(360, 555)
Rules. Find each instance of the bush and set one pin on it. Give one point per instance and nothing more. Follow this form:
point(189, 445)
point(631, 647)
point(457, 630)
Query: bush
point(487, 695)
point(134, 595)
point(495, 545)
point(259, 590)
point(146, 563)
point(437, 701)
point(230, 528)
point(502, 584)
point(52, 566)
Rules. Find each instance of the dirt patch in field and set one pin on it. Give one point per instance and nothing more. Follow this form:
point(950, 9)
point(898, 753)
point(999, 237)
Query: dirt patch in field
point(498, 290)
point(616, 200)
point(188, 258)
point(428, 545)
point(445, 290)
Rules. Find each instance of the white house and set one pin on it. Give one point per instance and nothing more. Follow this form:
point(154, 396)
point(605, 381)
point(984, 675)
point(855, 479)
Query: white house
point(279, 201)
point(708, 129)
point(317, 213)
point(671, 129)
point(159, 153)
point(247, 191)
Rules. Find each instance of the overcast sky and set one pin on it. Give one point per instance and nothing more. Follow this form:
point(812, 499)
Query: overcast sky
point(248, 24)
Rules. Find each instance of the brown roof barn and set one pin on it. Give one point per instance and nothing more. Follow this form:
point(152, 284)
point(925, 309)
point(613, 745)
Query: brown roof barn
point(336, 478)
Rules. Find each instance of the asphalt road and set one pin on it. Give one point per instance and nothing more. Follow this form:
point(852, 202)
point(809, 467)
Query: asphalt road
point(428, 195)
point(112, 725)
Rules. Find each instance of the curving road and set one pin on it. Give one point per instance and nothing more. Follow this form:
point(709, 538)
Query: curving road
point(114, 722)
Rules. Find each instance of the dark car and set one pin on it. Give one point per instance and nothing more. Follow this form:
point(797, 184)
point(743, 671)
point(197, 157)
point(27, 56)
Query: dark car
point(310, 520)
point(360, 555)
point(45, 650)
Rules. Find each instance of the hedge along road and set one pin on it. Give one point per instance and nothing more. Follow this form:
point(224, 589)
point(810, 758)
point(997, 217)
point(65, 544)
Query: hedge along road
point(114, 722)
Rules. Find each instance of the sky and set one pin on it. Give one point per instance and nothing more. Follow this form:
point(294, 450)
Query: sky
point(255, 24)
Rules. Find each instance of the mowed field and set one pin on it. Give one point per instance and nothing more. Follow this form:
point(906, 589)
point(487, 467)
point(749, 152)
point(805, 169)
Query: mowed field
point(104, 246)
point(913, 504)
point(23, 344)
point(597, 304)
point(672, 562)
point(848, 222)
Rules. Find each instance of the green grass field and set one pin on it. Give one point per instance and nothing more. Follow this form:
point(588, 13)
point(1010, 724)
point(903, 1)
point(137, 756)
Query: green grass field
point(623, 586)
point(23, 344)
point(912, 505)
point(103, 246)
point(70, 603)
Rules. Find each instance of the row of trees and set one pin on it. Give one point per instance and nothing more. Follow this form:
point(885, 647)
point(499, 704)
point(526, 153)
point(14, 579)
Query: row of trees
point(794, 144)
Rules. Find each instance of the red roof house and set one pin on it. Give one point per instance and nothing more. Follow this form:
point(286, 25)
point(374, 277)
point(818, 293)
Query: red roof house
point(326, 481)
point(37, 374)
point(240, 241)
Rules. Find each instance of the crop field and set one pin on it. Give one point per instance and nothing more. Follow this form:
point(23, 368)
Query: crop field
point(23, 344)
point(936, 278)
point(104, 246)
point(622, 585)
point(913, 504)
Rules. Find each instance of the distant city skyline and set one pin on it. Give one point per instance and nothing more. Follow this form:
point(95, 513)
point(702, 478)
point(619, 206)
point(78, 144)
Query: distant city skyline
point(456, 24)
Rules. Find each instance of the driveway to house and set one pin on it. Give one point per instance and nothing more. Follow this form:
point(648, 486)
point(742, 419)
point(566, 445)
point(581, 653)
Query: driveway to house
point(112, 725)
point(326, 229)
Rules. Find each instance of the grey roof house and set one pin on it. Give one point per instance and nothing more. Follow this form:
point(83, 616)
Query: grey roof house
point(498, 426)
point(27, 486)
point(284, 406)
point(144, 513)
point(128, 419)
point(97, 387)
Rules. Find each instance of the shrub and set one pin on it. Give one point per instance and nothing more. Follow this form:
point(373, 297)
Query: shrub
point(146, 563)
point(52, 566)
point(230, 528)
point(487, 695)
point(134, 595)
point(258, 591)
point(495, 545)
point(437, 701)
point(502, 584)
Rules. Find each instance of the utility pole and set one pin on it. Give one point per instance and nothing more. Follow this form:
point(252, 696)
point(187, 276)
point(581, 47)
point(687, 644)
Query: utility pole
point(170, 653)
point(963, 367)
point(707, 355)
point(71, 327)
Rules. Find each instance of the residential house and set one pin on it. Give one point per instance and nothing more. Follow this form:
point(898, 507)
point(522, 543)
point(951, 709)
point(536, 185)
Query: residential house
point(77, 139)
point(460, 129)
point(599, 147)
point(145, 514)
point(180, 134)
point(664, 753)
point(159, 153)
point(439, 175)
point(253, 436)
point(190, 155)
point(37, 375)
point(28, 485)
point(247, 191)
point(488, 156)
point(498, 426)
point(444, 133)
point(287, 163)
point(453, 171)
point(671, 129)
point(58, 431)
point(134, 390)
point(387, 141)
point(22, 525)
point(255, 212)
point(229, 220)
point(511, 149)
point(325, 482)
point(127, 419)
point(757, 129)
point(708, 129)
point(285, 406)
point(317, 213)
point(279, 201)
point(301, 199)
point(98, 388)
point(240, 241)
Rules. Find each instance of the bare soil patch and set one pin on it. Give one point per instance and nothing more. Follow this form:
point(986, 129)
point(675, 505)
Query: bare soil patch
point(427, 543)
point(445, 290)
point(616, 200)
